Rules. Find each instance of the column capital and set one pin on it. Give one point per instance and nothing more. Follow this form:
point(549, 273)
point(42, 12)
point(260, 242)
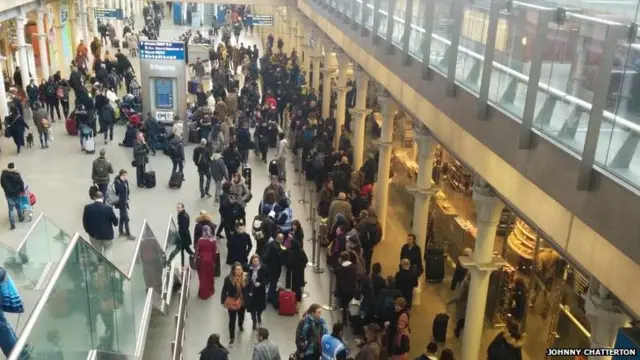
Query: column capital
point(387, 103)
point(342, 90)
point(316, 57)
point(421, 194)
point(360, 73)
point(358, 114)
point(488, 208)
point(326, 70)
point(42, 35)
point(41, 11)
point(301, 36)
point(343, 59)
point(476, 268)
point(382, 144)
point(21, 21)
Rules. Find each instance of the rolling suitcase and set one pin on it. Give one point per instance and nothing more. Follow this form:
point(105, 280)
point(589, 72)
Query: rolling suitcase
point(192, 87)
point(434, 271)
point(149, 179)
point(70, 124)
point(439, 329)
point(286, 303)
point(175, 180)
point(246, 174)
point(194, 136)
point(90, 145)
point(274, 168)
point(115, 43)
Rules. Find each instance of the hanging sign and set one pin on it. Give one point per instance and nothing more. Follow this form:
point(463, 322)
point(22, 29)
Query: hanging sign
point(262, 20)
point(108, 14)
point(161, 50)
point(64, 13)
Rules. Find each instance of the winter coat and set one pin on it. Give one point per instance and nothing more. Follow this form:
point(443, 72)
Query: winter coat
point(178, 144)
point(339, 207)
point(460, 299)
point(183, 229)
point(274, 259)
point(257, 299)
point(346, 278)
point(229, 289)
point(241, 190)
point(201, 221)
point(11, 182)
point(296, 263)
point(505, 347)
point(122, 190)
point(238, 248)
point(214, 353)
point(414, 254)
point(216, 142)
point(96, 168)
point(266, 350)
point(327, 195)
point(108, 115)
point(406, 280)
point(370, 351)
point(38, 116)
point(231, 101)
point(218, 168)
point(201, 156)
point(140, 153)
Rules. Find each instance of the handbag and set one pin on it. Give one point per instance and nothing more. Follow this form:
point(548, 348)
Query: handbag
point(232, 303)
point(194, 260)
point(11, 299)
point(7, 129)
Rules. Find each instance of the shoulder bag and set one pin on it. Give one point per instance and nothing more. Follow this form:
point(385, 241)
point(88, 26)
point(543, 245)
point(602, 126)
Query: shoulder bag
point(194, 260)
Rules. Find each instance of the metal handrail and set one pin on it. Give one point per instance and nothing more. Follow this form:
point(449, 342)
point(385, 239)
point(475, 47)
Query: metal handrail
point(522, 78)
point(24, 239)
point(178, 340)
point(146, 317)
point(136, 248)
point(166, 235)
point(35, 315)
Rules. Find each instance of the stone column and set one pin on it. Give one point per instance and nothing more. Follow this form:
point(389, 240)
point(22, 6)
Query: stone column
point(316, 57)
point(305, 53)
point(381, 193)
point(125, 8)
point(94, 23)
point(423, 190)
point(42, 43)
point(327, 70)
point(84, 22)
point(341, 101)
point(480, 265)
point(21, 21)
point(117, 24)
point(604, 317)
point(358, 115)
point(4, 111)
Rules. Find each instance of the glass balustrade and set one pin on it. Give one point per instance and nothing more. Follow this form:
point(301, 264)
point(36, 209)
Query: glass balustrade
point(90, 304)
point(571, 60)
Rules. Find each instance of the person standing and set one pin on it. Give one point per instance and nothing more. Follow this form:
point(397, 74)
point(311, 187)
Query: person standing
point(412, 251)
point(32, 93)
point(100, 170)
point(257, 294)
point(13, 186)
point(219, 174)
point(460, 300)
point(372, 345)
point(346, 284)
point(108, 118)
point(140, 158)
point(296, 263)
point(98, 220)
point(42, 123)
point(370, 235)
point(239, 246)
point(333, 347)
point(265, 349)
point(151, 132)
point(201, 156)
point(232, 298)
point(183, 233)
point(406, 280)
point(206, 247)
point(121, 184)
point(281, 156)
point(176, 152)
point(17, 77)
point(274, 259)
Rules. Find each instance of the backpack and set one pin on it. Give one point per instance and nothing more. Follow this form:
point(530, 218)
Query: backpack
point(174, 148)
point(51, 90)
point(318, 162)
point(111, 197)
point(102, 169)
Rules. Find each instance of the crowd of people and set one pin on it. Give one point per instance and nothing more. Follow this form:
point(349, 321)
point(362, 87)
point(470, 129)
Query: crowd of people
point(274, 108)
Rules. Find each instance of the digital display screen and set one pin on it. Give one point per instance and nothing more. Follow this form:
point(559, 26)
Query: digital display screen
point(164, 93)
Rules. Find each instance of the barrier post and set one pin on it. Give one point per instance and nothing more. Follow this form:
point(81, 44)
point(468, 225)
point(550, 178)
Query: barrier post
point(304, 192)
point(316, 251)
point(313, 240)
point(329, 307)
point(310, 204)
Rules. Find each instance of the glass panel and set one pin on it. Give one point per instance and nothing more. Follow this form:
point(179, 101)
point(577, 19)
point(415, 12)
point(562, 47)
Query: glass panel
point(398, 30)
point(151, 259)
point(358, 15)
point(62, 328)
point(442, 29)
point(573, 69)
point(619, 137)
point(415, 35)
point(173, 239)
point(382, 29)
point(473, 39)
point(369, 14)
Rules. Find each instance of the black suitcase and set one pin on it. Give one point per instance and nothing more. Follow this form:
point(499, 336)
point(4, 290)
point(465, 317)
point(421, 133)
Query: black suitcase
point(175, 180)
point(192, 87)
point(246, 174)
point(194, 136)
point(115, 43)
point(149, 179)
point(439, 330)
point(125, 45)
point(434, 265)
point(272, 137)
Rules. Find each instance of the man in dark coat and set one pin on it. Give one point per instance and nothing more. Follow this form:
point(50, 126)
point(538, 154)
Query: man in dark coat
point(17, 77)
point(274, 259)
point(13, 186)
point(108, 120)
point(184, 243)
point(201, 158)
point(98, 220)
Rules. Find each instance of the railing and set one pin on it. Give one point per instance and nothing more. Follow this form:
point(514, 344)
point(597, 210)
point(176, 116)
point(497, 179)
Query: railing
point(171, 240)
point(564, 94)
point(181, 316)
point(85, 287)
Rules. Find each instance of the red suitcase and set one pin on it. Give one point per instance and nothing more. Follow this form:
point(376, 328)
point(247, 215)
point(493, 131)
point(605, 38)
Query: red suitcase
point(70, 124)
point(286, 303)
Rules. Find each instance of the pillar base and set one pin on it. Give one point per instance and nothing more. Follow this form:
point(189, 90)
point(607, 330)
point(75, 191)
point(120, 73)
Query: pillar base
point(468, 263)
point(381, 144)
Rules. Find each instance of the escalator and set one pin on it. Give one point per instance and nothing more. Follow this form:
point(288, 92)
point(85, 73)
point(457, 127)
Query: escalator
point(89, 309)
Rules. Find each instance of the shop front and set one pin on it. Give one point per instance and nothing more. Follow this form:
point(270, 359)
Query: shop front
point(537, 286)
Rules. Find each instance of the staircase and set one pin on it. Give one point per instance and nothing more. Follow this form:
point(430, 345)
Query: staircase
point(208, 14)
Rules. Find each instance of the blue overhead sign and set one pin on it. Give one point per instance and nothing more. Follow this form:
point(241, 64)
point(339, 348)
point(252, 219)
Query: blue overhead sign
point(108, 14)
point(162, 50)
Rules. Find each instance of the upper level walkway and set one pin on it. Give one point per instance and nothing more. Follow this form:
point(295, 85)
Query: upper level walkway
point(537, 100)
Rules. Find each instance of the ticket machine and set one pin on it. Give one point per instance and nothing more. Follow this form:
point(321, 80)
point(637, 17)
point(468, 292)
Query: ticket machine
point(163, 78)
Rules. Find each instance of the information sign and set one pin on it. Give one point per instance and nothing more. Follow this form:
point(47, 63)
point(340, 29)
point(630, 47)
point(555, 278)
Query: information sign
point(263, 20)
point(162, 50)
point(108, 14)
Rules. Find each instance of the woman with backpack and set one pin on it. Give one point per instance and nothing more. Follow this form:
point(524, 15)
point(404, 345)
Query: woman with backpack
point(52, 97)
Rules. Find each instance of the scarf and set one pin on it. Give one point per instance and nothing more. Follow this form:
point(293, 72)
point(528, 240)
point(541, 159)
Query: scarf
point(254, 272)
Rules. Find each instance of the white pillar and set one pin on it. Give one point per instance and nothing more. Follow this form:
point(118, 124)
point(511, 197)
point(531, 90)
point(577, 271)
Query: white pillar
point(604, 317)
point(381, 193)
point(327, 70)
point(93, 4)
point(42, 43)
point(423, 191)
point(125, 8)
point(21, 21)
point(118, 23)
point(358, 115)
point(480, 265)
point(84, 22)
point(4, 110)
point(341, 101)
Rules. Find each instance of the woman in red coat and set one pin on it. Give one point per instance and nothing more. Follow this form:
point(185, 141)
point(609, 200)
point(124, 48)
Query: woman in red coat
point(206, 249)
